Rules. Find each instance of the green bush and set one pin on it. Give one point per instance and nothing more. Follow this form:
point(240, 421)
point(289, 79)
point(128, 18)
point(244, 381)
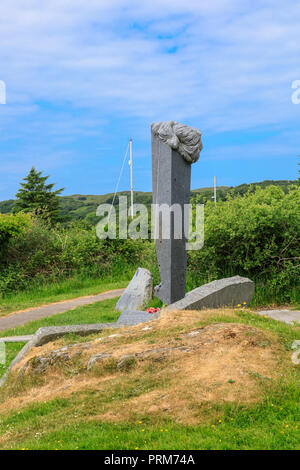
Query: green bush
point(43, 253)
point(256, 235)
point(11, 226)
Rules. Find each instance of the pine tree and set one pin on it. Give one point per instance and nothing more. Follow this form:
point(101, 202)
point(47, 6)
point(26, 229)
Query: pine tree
point(38, 197)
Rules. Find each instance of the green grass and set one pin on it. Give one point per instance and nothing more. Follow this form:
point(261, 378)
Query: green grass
point(68, 424)
point(11, 350)
point(99, 312)
point(56, 291)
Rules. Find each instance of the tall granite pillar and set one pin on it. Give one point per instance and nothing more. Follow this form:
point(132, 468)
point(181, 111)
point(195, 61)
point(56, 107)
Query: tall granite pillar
point(174, 148)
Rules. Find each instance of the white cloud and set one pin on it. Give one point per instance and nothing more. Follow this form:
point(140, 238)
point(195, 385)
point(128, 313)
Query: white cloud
point(231, 68)
point(97, 53)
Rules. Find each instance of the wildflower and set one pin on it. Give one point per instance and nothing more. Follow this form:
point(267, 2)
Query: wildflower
point(239, 305)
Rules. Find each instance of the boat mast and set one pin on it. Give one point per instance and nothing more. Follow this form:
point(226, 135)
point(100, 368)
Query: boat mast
point(215, 191)
point(131, 180)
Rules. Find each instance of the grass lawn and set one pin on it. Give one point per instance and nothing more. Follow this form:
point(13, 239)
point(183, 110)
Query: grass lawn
point(11, 350)
point(270, 425)
point(55, 292)
point(75, 421)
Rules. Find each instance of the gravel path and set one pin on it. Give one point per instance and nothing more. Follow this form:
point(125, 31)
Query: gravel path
point(20, 318)
point(287, 316)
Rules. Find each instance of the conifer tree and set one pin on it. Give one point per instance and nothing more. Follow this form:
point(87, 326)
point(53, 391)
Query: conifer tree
point(38, 197)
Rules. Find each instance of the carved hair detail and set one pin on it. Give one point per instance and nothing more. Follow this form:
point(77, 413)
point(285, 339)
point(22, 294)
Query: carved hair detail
point(184, 139)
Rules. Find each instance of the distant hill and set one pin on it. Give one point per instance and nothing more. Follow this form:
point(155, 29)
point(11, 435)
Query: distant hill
point(83, 207)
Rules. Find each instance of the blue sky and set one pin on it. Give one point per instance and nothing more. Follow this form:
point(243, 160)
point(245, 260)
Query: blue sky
point(84, 77)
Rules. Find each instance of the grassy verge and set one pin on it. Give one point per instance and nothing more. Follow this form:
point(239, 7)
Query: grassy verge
point(99, 312)
point(55, 292)
point(270, 425)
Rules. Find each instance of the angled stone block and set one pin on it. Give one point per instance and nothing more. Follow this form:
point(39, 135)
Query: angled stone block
point(228, 292)
point(138, 293)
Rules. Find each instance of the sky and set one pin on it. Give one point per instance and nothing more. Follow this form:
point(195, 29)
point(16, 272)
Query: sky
point(83, 77)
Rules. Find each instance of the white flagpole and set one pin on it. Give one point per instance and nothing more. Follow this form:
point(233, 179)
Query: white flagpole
point(131, 180)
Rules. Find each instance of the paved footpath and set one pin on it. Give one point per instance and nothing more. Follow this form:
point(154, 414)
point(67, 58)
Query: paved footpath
point(20, 318)
point(291, 317)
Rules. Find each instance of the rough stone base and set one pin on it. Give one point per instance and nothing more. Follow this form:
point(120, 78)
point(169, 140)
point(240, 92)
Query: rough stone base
point(50, 333)
point(227, 292)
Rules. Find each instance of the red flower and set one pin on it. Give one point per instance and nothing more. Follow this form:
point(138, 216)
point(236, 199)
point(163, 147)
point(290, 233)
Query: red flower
point(152, 310)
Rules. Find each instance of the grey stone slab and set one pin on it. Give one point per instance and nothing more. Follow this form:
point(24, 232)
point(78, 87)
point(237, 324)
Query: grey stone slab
point(138, 292)
point(287, 316)
point(228, 292)
point(134, 317)
point(16, 339)
point(175, 147)
point(171, 176)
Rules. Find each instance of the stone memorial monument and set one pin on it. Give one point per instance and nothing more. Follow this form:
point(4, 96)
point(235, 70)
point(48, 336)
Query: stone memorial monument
point(174, 148)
